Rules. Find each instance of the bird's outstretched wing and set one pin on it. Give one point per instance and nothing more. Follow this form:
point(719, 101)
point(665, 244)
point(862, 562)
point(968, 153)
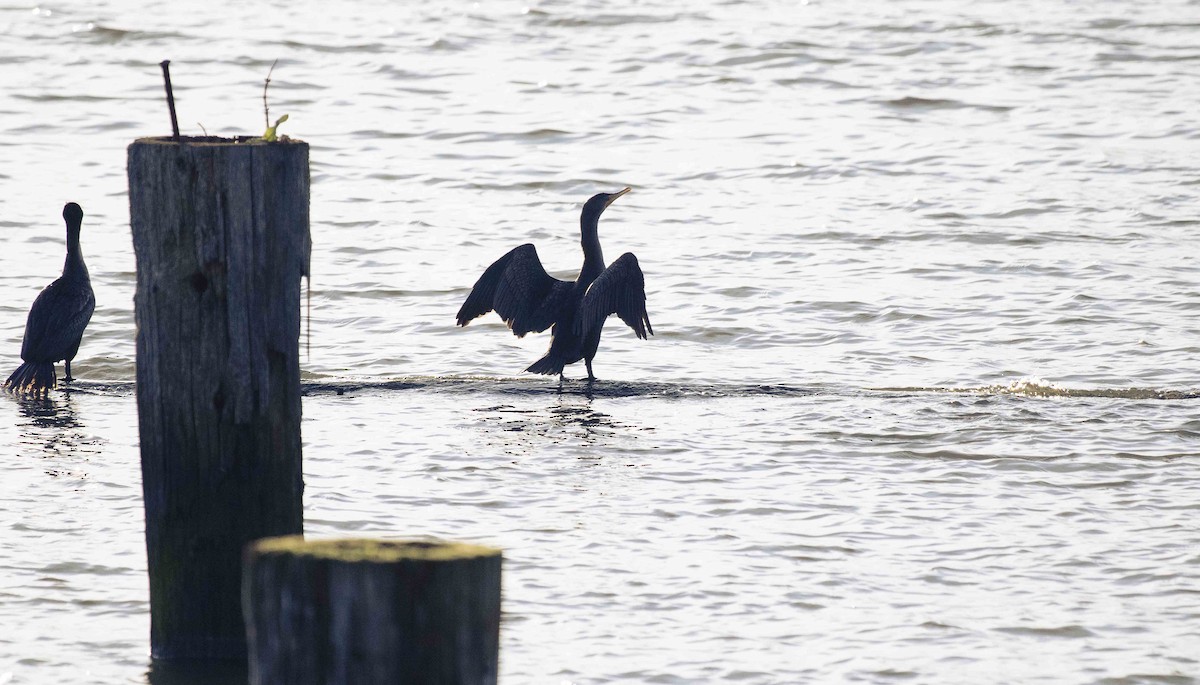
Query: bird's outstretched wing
point(519, 289)
point(57, 320)
point(620, 289)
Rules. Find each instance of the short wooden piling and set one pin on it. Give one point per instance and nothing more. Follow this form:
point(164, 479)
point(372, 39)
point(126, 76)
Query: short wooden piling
point(366, 612)
point(221, 236)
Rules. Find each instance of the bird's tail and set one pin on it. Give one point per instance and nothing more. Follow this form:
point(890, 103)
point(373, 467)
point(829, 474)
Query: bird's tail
point(32, 378)
point(552, 364)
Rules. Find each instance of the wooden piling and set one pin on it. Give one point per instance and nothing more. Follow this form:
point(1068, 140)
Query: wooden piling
point(221, 236)
point(366, 612)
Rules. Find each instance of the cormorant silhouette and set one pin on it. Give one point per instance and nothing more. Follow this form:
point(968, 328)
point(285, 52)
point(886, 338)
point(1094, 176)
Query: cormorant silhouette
point(530, 300)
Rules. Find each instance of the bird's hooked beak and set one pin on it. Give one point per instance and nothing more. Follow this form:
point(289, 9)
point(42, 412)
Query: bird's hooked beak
point(614, 196)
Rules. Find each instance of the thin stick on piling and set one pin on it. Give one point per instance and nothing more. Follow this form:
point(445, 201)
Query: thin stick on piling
point(266, 109)
point(166, 64)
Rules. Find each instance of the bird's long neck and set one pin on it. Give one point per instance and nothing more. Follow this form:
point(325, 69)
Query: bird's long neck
point(74, 266)
point(593, 256)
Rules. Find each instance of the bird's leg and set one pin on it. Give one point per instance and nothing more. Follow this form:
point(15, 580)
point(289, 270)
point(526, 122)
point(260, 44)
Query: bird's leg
point(591, 376)
point(560, 381)
point(68, 378)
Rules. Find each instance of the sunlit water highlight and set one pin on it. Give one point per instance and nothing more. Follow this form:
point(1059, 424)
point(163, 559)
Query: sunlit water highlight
point(921, 405)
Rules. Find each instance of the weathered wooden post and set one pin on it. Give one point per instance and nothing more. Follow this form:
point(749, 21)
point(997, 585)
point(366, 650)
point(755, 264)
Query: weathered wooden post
point(367, 612)
point(221, 235)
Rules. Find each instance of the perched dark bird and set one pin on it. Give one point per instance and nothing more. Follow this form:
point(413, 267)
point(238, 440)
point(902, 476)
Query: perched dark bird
point(57, 319)
point(531, 300)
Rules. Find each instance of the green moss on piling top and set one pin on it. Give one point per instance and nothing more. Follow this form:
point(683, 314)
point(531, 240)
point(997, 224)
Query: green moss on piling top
point(216, 141)
point(372, 550)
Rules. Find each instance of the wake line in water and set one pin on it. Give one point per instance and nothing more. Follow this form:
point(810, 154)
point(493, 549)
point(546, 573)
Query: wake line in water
point(473, 385)
point(538, 386)
point(681, 390)
point(467, 385)
point(1026, 388)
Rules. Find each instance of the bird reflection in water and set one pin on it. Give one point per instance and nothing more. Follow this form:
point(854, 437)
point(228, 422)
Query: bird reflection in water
point(593, 424)
point(51, 428)
point(48, 411)
point(570, 421)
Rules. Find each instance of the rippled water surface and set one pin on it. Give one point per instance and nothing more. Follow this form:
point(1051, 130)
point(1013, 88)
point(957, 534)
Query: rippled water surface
point(921, 403)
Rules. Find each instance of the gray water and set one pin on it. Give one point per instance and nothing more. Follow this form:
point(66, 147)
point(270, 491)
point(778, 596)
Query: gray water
point(921, 406)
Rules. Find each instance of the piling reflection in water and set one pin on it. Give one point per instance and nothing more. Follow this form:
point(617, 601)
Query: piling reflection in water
point(209, 673)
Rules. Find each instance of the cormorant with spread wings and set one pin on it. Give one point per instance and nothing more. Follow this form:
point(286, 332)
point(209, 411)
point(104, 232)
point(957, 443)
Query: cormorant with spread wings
point(531, 300)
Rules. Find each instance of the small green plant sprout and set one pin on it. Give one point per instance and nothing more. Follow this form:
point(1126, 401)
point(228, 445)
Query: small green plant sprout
point(270, 136)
